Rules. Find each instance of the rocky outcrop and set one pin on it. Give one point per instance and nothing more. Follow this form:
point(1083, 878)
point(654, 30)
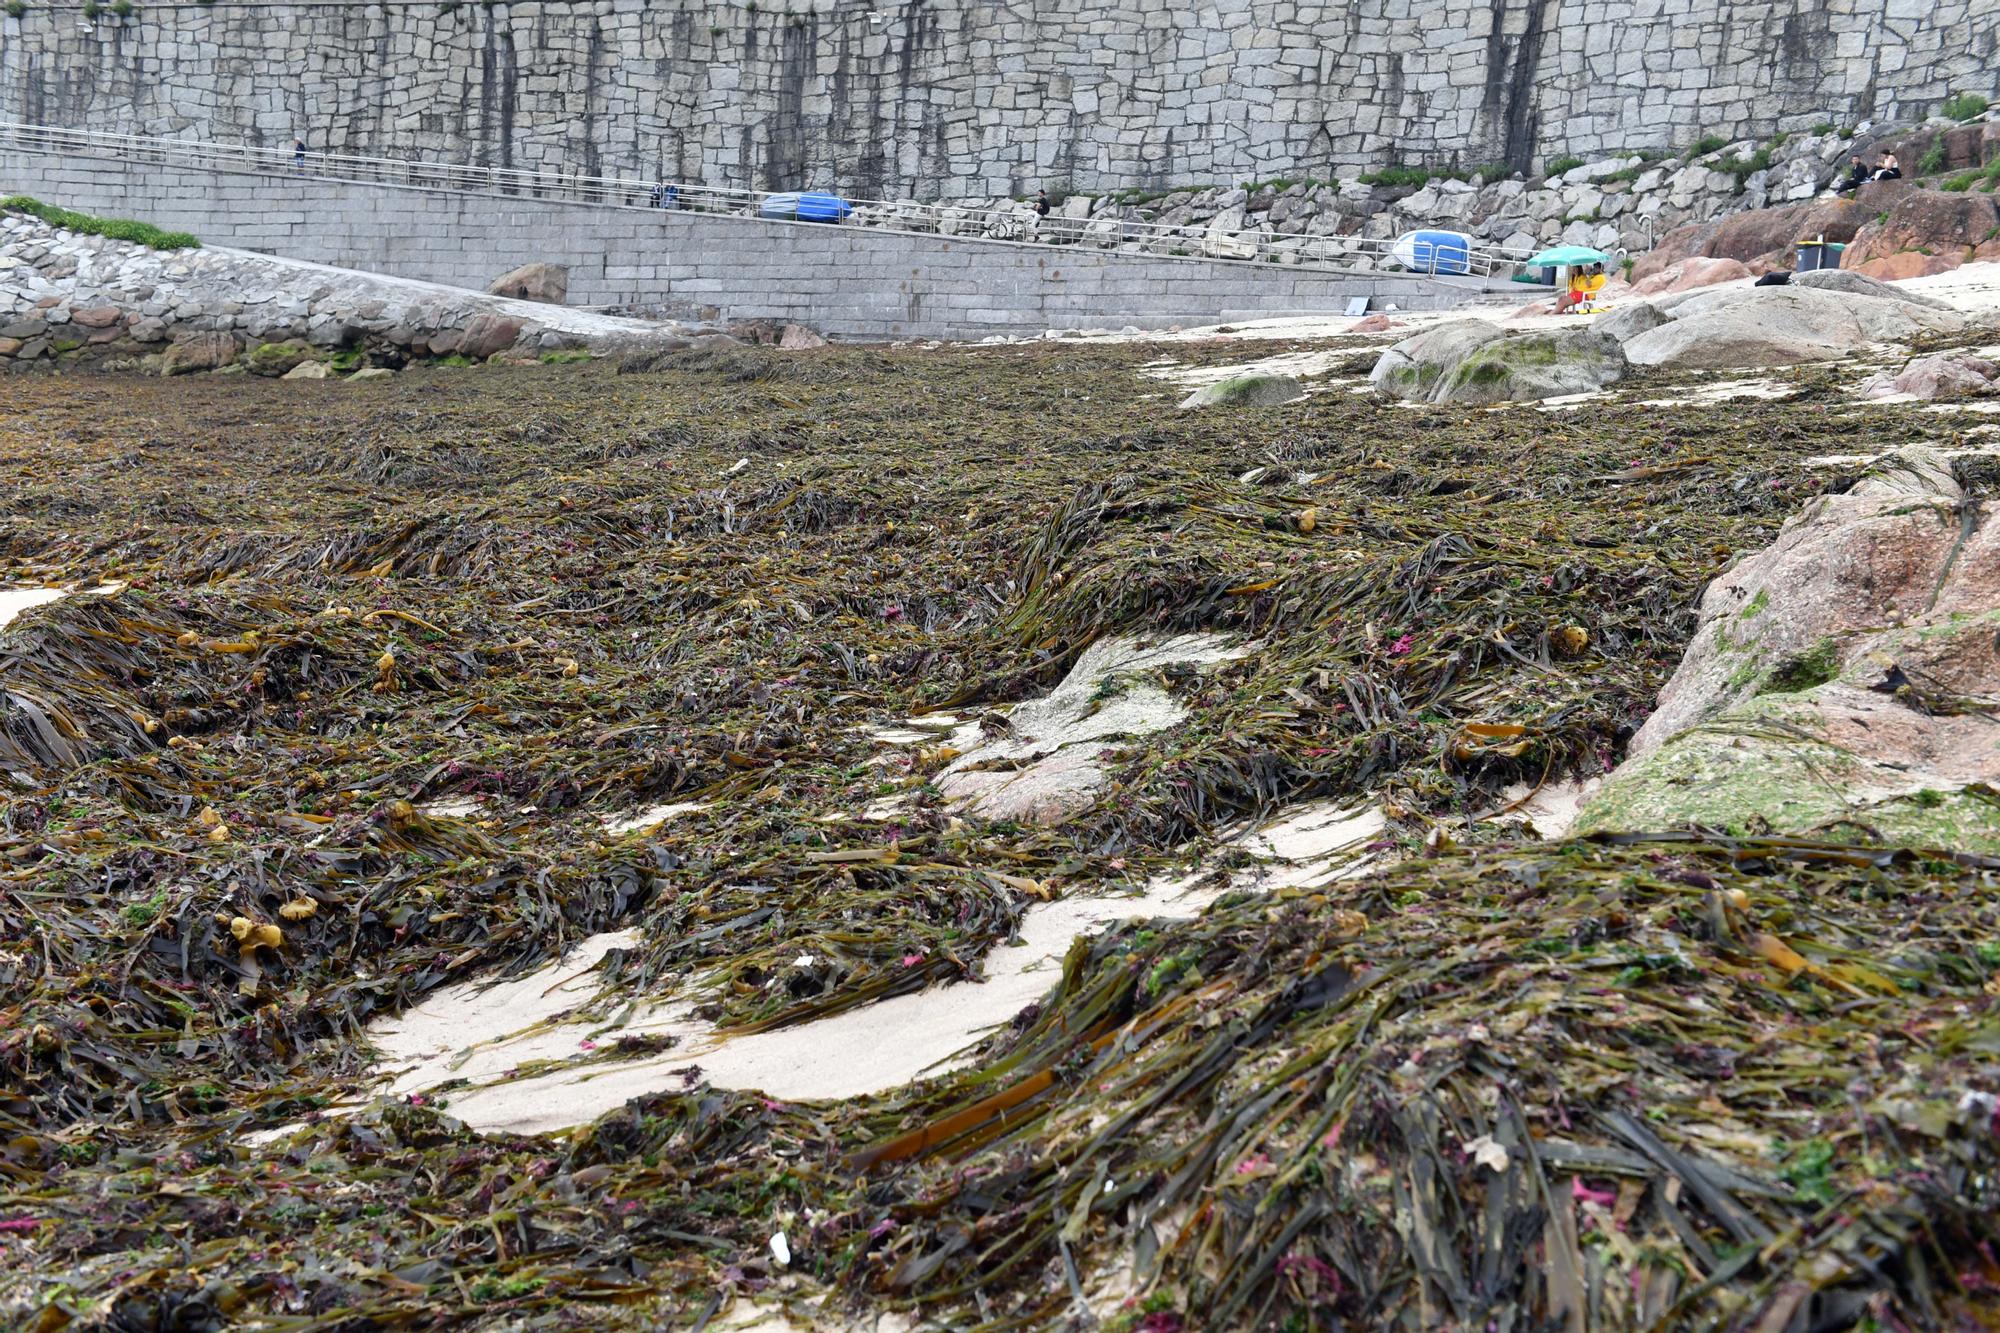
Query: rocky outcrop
point(1688, 274)
point(1856, 284)
point(547, 283)
point(1247, 391)
point(1928, 231)
point(70, 300)
point(1458, 363)
point(1739, 327)
point(1843, 678)
point(1944, 375)
point(1764, 237)
point(1414, 367)
point(1745, 244)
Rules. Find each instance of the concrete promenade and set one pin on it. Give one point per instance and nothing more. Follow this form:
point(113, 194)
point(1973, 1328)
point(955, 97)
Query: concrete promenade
point(848, 282)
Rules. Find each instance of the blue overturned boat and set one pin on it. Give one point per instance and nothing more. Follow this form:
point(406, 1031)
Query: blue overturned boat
point(804, 206)
point(1433, 252)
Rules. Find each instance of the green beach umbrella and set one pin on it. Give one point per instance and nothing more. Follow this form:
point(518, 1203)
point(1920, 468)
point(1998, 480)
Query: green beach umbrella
point(1568, 254)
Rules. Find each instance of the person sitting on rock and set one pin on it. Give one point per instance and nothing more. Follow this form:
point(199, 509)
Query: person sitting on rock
point(1856, 173)
point(1887, 169)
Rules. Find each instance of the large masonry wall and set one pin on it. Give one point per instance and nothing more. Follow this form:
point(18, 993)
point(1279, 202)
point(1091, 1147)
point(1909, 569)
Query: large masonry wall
point(954, 98)
point(850, 282)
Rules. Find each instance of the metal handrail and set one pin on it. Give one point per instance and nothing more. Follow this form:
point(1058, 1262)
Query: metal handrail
point(1015, 224)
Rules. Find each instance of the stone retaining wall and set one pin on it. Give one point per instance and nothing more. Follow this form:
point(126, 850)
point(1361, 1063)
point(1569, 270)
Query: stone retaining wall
point(969, 98)
point(848, 282)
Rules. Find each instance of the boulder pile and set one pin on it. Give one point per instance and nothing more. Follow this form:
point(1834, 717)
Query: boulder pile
point(68, 299)
point(1678, 207)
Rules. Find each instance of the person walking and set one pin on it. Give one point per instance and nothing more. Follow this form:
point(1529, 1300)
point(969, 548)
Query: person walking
point(298, 152)
point(1041, 203)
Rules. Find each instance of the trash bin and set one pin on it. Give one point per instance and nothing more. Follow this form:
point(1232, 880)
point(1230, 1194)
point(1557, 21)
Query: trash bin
point(1818, 254)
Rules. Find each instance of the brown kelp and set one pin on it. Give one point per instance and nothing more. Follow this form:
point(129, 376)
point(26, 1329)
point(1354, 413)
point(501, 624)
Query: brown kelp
point(380, 666)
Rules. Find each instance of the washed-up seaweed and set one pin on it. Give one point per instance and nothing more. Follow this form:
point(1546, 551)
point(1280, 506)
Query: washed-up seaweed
point(378, 670)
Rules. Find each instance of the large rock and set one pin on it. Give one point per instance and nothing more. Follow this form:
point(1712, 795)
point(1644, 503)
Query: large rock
point(1688, 274)
point(1413, 367)
point(192, 352)
point(1526, 367)
point(1683, 242)
point(547, 283)
point(1628, 320)
point(1770, 233)
point(1247, 391)
point(1858, 284)
point(278, 358)
point(1931, 231)
point(1942, 375)
point(486, 334)
point(1827, 685)
point(1758, 239)
point(1743, 327)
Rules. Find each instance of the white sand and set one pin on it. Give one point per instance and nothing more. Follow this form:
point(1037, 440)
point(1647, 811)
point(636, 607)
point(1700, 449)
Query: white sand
point(1725, 391)
point(652, 816)
point(13, 601)
point(1299, 365)
point(498, 1038)
point(464, 1033)
point(1551, 808)
point(1311, 846)
point(450, 807)
point(445, 1036)
point(1048, 762)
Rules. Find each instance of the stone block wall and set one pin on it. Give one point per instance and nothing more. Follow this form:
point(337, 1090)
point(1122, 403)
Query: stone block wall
point(849, 282)
point(978, 98)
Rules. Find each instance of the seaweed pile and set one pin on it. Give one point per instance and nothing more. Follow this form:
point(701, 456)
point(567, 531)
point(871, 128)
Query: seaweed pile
point(381, 668)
